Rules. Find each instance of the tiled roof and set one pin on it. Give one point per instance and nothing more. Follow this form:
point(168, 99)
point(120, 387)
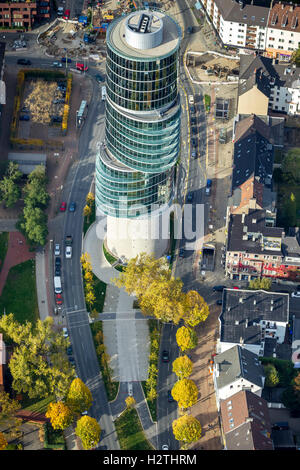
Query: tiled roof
point(252, 15)
point(285, 17)
point(236, 363)
point(248, 436)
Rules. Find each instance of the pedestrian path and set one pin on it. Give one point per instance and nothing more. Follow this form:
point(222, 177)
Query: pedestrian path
point(126, 337)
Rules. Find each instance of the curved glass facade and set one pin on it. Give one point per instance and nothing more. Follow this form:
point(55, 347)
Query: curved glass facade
point(135, 165)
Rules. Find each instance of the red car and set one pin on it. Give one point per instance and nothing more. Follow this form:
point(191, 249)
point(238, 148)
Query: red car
point(63, 207)
point(58, 299)
point(66, 15)
point(81, 67)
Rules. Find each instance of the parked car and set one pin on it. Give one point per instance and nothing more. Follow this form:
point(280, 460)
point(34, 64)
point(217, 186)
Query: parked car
point(66, 14)
point(193, 121)
point(58, 101)
point(194, 130)
point(170, 398)
point(24, 117)
point(58, 299)
point(57, 249)
point(57, 64)
point(99, 78)
point(63, 207)
point(68, 252)
point(295, 294)
point(70, 351)
point(57, 261)
point(57, 270)
point(192, 109)
point(165, 356)
point(72, 207)
point(190, 30)
point(71, 360)
point(218, 288)
point(66, 59)
point(194, 142)
point(190, 197)
point(56, 119)
point(194, 153)
point(24, 62)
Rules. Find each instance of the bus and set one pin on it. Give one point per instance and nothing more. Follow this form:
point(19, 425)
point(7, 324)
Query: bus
point(103, 91)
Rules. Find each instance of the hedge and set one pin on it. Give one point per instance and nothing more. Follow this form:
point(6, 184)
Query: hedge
point(49, 433)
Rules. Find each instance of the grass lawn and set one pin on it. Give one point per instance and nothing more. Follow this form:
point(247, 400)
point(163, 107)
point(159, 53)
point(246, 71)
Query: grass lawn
point(207, 101)
point(19, 294)
point(284, 191)
point(112, 259)
point(99, 290)
point(35, 405)
point(3, 247)
point(130, 432)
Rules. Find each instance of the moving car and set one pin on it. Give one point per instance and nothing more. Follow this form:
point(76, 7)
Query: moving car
point(68, 252)
point(208, 187)
point(57, 261)
point(70, 351)
point(181, 252)
point(194, 153)
point(65, 332)
point(72, 207)
point(194, 130)
point(57, 270)
point(24, 117)
point(63, 207)
point(57, 64)
point(65, 59)
point(218, 288)
point(24, 62)
point(170, 398)
point(80, 66)
point(165, 356)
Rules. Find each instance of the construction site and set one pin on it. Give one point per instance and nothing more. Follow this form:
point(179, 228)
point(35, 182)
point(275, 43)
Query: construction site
point(212, 67)
point(85, 36)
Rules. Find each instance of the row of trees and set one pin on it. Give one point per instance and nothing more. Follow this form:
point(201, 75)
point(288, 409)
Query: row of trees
point(10, 190)
point(159, 294)
point(88, 277)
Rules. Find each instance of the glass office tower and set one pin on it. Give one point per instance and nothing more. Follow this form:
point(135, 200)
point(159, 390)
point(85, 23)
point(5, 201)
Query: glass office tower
point(135, 165)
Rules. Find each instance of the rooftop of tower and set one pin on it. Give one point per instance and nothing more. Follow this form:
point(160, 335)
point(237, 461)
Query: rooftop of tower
point(144, 34)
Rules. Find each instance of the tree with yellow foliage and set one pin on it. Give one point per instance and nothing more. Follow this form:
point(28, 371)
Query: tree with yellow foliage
point(3, 441)
point(187, 429)
point(140, 272)
point(183, 367)
point(87, 211)
point(90, 198)
point(89, 431)
point(196, 309)
point(185, 392)
point(60, 415)
point(79, 396)
point(130, 402)
point(186, 338)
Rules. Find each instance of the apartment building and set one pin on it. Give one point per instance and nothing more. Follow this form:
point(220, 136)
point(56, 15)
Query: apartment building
point(23, 14)
point(266, 86)
point(255, 319)
point(273, 27)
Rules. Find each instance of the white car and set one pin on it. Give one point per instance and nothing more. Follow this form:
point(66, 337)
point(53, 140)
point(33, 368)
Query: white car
point(57, 64)
point(65, 332)
point(296, 294)
point(57, 249)
point(165, 447)
point(68, 252)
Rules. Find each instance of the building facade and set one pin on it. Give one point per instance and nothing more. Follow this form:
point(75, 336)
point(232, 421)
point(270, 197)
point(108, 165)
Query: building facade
point(272, 27)
point(23, 14)
point(135, 165)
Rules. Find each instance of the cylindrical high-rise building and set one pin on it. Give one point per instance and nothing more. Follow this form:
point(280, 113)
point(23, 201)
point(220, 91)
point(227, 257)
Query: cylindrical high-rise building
point(135, 164)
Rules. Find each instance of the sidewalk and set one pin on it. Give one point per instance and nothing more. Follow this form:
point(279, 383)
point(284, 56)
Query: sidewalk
point(126, 337)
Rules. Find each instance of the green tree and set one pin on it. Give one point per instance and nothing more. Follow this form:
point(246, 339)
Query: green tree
point(38, 365)
point(9, 186)
point(272, 377)
point(196, 309)
point(264, 283)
